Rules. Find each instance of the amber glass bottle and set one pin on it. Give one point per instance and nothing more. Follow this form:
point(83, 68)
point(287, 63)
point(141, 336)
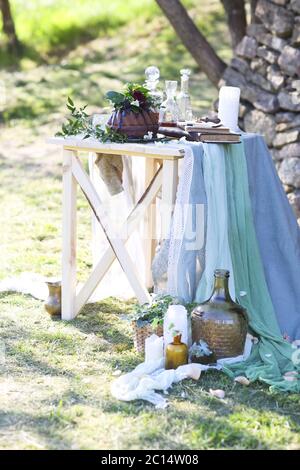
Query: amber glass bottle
point(221, 322)
point(176, 353)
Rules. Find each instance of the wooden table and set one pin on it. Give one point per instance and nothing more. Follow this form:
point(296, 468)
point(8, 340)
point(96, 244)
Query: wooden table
point(161, 172)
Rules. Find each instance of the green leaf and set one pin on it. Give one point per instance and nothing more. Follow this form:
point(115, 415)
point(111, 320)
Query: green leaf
point(70, 102)
point(115, 97)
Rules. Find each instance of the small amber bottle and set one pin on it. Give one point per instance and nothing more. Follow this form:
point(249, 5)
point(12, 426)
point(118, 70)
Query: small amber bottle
point(176, 353)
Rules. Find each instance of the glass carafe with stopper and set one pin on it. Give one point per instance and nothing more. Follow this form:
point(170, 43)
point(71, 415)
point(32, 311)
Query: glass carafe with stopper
point(152, 79)
point(220, 322)
point(183, 98)
point(169, 113)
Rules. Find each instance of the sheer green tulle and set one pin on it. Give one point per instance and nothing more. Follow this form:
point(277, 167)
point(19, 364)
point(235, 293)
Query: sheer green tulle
point(272, 356)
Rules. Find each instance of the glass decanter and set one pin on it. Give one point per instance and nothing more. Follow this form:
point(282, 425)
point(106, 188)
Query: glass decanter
point(183, 98)
point(220, 322)
point(169, 113)
point(152, 79)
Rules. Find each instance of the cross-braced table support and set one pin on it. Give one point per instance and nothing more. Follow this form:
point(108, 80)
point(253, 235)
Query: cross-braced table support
point(161, 173)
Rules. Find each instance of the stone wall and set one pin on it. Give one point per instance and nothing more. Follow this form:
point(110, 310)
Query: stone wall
point(266, 67)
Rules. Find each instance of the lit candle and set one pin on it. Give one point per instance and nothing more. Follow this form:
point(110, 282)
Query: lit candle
point(229, 103)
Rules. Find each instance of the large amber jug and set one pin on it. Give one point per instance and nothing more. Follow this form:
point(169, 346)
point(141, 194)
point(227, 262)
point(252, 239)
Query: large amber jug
point(221, 322)
point(176, 353)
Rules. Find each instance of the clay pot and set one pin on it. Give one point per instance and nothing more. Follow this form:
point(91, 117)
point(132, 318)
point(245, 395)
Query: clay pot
point(134, 124)
point(53, 302)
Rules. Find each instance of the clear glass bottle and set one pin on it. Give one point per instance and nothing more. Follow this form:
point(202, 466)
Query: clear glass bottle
point(220, 322)
point(183, 98)
point(169, 112)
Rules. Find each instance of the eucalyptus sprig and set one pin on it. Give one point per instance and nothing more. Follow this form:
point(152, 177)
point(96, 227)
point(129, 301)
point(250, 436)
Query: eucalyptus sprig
point(77, 123)
point(81, 123)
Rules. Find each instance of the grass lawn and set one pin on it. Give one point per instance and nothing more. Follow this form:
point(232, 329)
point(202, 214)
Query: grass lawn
point(55, 379)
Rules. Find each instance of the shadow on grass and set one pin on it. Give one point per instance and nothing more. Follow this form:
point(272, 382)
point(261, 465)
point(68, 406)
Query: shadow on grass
point(48, 427)
point(34, 169)
point(203, 429)
point(217, 423)
point(102, 317)
point(26, 359)
point(11, 62)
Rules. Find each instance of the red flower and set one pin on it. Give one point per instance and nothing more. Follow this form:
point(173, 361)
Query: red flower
point(138, 95)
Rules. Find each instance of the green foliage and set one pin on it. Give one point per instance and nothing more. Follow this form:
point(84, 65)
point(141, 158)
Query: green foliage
point(78, 123)
point(135, 98)
point(201, 349)
point(173, 330)
point(52, 26)
point(81, 123)
point(154, 312)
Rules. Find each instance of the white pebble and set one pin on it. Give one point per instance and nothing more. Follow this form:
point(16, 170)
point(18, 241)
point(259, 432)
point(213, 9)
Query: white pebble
point(217, 393)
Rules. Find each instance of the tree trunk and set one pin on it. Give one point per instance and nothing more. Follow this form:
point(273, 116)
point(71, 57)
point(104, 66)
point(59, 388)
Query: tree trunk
point(236, 19)
point(9, 26)
point(194, 41)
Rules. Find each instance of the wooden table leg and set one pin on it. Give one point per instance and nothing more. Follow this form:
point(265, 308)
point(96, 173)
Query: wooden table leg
point(97, 238)
point(112, 237)
point(149, 225)
point(69, 238)
point(169, 188)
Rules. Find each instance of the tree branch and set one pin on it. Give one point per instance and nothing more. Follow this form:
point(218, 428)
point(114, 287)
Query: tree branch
point(203, 53)
point(236, 19)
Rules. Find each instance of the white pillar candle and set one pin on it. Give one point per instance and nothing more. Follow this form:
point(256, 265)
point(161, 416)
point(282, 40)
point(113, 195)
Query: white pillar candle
point(154, 348)
point(229, 103)
point(175, 319)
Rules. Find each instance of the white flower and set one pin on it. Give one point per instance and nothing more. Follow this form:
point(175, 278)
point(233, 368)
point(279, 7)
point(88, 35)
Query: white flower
point(148, 136)
point(135, 103)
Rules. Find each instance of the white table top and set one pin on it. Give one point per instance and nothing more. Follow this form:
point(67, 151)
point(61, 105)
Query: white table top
point(153, 150)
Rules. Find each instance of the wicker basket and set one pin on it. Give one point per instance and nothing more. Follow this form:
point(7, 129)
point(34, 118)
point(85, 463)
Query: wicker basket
point(140, 333)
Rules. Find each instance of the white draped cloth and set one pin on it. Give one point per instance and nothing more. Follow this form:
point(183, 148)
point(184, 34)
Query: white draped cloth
point(217, 252)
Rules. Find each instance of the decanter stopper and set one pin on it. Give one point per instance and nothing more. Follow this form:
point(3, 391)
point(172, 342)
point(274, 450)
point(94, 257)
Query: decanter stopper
point(152, 79)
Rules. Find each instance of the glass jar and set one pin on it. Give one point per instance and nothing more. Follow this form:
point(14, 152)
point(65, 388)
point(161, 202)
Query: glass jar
point(220, 322)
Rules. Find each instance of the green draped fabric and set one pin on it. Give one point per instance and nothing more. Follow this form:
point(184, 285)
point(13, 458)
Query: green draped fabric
point(272, 356)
